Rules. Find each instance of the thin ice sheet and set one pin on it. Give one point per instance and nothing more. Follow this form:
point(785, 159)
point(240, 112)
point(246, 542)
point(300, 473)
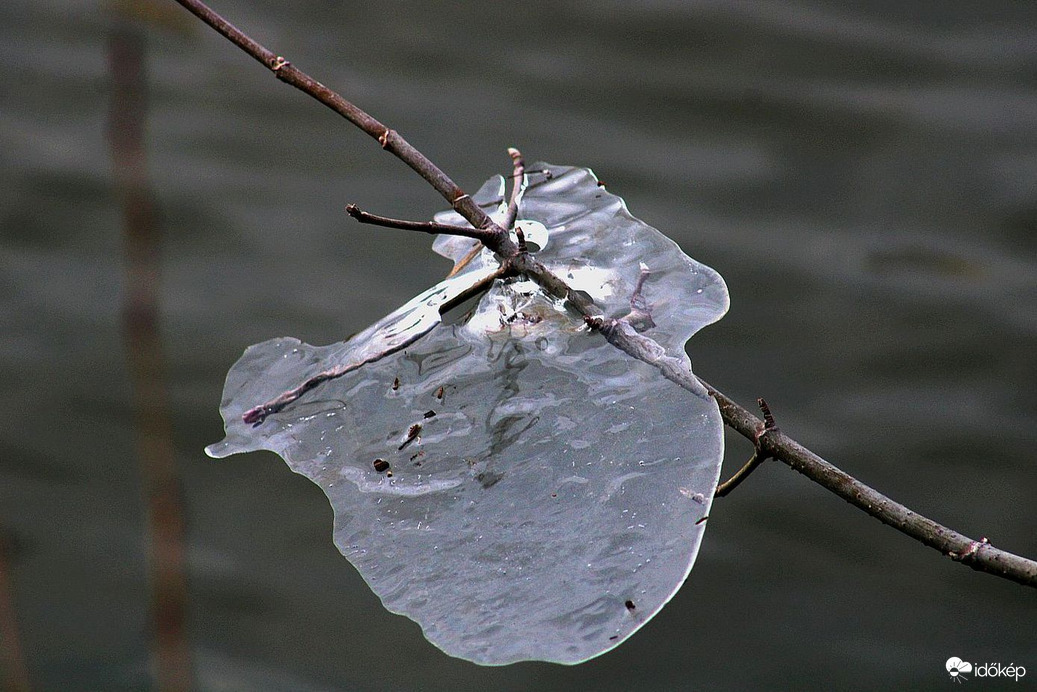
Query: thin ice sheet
point(510, 481)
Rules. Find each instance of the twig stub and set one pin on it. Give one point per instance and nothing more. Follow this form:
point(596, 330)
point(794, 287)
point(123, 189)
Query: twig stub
point(521, 237)
point(768, 418)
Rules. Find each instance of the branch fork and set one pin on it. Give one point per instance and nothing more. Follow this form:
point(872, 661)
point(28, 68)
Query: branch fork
point(759, 455)
point(485, 236)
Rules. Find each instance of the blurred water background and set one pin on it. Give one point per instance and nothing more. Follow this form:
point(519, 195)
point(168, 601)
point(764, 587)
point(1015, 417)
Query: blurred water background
point(864, 175)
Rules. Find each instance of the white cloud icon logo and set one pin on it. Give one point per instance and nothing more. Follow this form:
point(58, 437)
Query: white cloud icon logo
point(957, 668)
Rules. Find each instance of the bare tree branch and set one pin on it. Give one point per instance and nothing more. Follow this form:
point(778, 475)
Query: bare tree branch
point(979, 555)
point(390, 140)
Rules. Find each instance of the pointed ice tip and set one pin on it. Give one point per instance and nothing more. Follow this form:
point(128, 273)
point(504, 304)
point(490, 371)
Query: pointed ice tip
point(217, 450)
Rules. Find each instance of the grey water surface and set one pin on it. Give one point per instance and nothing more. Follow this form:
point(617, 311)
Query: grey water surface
point(863, 175)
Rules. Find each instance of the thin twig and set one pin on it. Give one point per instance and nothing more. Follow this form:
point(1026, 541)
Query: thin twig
point(740, 475)
point(421, 226)
point(778, 445)
point(978, 555)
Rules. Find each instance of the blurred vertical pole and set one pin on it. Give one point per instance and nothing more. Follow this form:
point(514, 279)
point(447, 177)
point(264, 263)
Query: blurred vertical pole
point(160, 479)
point(14, 676)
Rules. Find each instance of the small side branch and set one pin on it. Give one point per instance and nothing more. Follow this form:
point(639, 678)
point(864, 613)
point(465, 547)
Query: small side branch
point(432, 227)
point(740, 475)
point(518, 180)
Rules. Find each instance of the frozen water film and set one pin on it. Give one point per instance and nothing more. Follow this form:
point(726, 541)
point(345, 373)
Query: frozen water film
point(508, 479)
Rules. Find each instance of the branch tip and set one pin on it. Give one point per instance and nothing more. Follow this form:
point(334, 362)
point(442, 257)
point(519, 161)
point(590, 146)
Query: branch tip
point(432, 227)
point(518, 179)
